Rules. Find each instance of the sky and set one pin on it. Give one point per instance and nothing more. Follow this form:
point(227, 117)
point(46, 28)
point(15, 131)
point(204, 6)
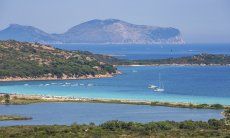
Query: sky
point(200, 21)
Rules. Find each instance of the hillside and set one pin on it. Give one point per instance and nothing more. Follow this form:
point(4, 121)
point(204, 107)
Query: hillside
point(110, 31)
point(23, 60)
point(200, 59)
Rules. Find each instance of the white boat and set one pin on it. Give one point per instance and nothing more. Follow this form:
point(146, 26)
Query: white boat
point(134, 71)
point(151, 86)
point(89, 84)
point(159, 88)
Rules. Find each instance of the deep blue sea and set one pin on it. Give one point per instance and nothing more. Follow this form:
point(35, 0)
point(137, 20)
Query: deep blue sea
point(149, 51)
point(189, 84)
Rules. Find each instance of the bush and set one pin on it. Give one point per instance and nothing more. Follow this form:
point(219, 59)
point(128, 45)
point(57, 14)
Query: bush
point(216, 124)
point(7, 98)
point(217, 106)
point(187, 125)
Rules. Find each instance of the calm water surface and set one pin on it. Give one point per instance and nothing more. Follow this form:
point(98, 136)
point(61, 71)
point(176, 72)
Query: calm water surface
point(149, 51)
point(68, 113)
point(182, 84)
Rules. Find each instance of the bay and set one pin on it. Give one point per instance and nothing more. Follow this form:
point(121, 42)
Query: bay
point(188, 84)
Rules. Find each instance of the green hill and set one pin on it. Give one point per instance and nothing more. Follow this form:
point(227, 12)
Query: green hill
point(33, 60)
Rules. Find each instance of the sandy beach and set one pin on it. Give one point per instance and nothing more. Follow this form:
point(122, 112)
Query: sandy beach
point(65, 77)
point(27, 99)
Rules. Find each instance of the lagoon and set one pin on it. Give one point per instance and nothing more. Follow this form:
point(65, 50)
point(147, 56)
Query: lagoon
point(68, 113)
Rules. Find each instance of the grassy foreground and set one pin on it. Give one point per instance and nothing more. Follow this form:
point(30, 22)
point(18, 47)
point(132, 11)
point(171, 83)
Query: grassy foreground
point(212, 128)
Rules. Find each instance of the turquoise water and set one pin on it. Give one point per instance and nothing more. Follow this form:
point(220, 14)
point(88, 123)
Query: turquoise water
point(68, 113)
point(190, 84)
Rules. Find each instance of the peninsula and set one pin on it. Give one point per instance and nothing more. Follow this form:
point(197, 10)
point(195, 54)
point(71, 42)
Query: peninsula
point(33, 61)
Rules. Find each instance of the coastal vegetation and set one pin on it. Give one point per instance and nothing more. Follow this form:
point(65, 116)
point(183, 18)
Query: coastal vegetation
point(200, 59)
point(29, 99)
point(33, 60)
point(227, 116)
point(13, 117)
point(6, 98)
point(211, 128)
point(189, 105)
point(13, 99)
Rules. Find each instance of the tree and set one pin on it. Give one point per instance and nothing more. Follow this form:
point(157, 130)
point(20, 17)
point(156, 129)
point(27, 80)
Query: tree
point(7, 98)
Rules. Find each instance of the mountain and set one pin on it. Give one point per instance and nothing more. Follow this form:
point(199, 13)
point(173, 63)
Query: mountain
point(26, 33)
point(117, 31)
point(98, 31)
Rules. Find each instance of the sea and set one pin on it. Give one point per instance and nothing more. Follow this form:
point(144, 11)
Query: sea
point(188, 84)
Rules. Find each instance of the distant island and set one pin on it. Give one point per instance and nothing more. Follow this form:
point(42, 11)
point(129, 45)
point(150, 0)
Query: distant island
point(203, 59)
point(109, 31)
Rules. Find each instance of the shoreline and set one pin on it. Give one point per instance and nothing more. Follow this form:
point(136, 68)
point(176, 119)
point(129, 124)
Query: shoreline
point(29, 99)
point(98, 76)
point(176, 65)
point(107, 75)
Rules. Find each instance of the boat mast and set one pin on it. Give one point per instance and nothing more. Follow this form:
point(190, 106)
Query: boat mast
point(160, 83)
point(159, 80)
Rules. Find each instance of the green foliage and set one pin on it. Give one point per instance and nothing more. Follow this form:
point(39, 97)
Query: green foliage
point(212, 128)
point(216, 124)
point(19, 59)
point(7, 98)
point(217, 106)
point(201, 59)
point(202, 106)
point(227, 116)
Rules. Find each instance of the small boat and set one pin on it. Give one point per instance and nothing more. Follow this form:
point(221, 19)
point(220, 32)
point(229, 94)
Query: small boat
point(151, 86)
point(89, 84)
point(134, 71)
point(159, 88)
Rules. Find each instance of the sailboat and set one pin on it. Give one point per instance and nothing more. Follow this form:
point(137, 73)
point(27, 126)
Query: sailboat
point(151, 86)
point(159, 88)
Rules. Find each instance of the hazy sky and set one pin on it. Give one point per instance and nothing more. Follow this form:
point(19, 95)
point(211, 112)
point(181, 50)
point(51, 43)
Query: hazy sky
point(200, 21)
